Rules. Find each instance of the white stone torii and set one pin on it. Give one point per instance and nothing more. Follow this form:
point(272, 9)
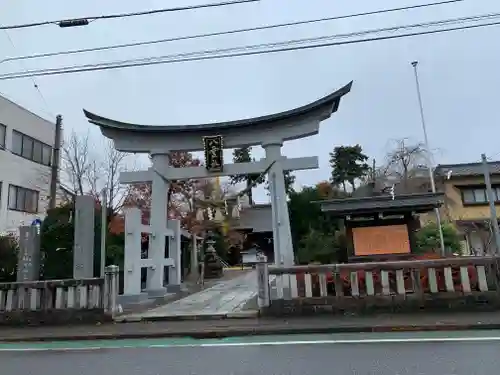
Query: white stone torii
point(270, 132)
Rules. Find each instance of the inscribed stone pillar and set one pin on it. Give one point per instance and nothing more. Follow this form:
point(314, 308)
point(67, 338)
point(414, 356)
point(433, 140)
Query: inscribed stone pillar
point(283, 247)
point(132, 256)
point(28, 265)
point(158, 223)
point(175, 271)
point(83, 248)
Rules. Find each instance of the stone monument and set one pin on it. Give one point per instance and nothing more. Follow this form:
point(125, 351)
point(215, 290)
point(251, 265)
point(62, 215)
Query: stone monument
point(83, 247)
point(269, 131)
point(28, 266)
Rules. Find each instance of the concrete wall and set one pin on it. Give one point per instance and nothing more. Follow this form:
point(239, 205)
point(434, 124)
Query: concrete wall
point(19, 171)
point(365, 305)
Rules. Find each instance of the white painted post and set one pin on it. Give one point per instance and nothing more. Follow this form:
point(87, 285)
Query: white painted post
point(132, 258)
point(283, 247)
point(262, 282)
point(175, 271)
point(158, 223)
point(104, 228)
point(111, 288)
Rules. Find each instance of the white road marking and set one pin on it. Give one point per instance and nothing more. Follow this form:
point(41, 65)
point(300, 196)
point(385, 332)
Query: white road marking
point(259, 343)
point(41, 349)
point(349, 341)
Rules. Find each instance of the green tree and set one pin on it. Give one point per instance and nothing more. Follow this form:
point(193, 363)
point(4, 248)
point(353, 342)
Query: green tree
point(427, 238)
point(9, 248)
point(244, 155)
point(56, 243)
point(289, 181)
point(348, 163)
point(317, 247)
point(306, 215)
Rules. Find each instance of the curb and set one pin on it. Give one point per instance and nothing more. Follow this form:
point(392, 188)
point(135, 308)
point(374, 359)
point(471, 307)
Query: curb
point(180, 318)
point(254, 331)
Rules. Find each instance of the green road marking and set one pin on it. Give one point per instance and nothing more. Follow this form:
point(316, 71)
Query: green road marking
point(179, 342)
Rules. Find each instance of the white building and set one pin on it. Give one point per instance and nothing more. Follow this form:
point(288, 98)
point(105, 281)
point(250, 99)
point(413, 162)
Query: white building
point(26, 143)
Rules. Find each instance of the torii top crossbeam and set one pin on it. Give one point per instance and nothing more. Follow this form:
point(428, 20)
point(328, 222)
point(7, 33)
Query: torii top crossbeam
point(289, 125)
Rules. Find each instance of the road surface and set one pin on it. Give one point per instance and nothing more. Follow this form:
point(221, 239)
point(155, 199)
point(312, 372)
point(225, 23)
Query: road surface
point(452, 353)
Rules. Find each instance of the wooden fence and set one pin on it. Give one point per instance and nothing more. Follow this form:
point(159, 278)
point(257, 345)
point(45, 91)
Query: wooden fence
point(459, 282)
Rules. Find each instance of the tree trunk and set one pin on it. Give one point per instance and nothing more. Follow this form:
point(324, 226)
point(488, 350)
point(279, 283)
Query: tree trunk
point(353, 185)
point(249, 193)
point(405, 178)
point(345, 189)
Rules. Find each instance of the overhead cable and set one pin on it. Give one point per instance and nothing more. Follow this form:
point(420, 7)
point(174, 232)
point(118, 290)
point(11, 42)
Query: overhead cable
point(248, 50)
point(227, 32)
point(126, 15)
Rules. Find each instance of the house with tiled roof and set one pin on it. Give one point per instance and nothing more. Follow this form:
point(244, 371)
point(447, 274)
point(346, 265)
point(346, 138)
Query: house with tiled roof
point(466, 202)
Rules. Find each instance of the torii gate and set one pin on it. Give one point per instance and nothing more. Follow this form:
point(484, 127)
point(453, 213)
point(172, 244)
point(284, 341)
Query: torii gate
point(269, 131)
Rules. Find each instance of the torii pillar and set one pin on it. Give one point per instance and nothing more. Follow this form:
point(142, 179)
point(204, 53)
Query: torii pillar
point(269, 131)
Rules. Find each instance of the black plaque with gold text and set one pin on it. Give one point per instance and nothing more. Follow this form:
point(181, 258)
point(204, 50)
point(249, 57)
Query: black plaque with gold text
point(214, 153)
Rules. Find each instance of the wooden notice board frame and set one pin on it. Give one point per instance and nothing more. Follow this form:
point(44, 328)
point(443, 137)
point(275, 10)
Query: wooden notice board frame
point(380, 240)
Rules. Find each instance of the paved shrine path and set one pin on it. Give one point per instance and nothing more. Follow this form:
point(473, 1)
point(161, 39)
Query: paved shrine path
point(225, 297)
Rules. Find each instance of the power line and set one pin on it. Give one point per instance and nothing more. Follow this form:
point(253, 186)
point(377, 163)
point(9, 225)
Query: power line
point(250, 50)
point(228, 32)
point(202, 55)
point(278, 44)
point(126, 15)
point(33, 80)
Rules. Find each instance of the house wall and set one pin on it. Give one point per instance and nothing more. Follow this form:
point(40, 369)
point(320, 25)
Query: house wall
point(19, 171)
point(476, 241)
point(454, 207)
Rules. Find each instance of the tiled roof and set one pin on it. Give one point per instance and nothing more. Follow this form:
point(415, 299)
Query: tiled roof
point(424, 201)
point(382, 186)
point(467, 169)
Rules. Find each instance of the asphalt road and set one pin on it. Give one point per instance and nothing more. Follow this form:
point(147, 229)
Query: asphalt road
point(465, 353)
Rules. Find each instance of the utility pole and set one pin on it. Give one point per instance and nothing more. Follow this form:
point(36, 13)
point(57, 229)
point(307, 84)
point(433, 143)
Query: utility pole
point(491, 202)
point(56, 156)
point(429, 157)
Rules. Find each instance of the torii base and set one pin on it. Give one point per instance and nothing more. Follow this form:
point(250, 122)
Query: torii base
point(132, 299)
point(157, 293)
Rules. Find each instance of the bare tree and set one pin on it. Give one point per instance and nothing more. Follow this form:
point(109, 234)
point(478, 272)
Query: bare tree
point(76, 162)
point(89, 172)
point(404, 159)
point(105, 174)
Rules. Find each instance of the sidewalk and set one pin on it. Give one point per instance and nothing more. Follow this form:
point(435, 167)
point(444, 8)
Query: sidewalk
point(203, 329)
point(225, 297)
point(189, 288)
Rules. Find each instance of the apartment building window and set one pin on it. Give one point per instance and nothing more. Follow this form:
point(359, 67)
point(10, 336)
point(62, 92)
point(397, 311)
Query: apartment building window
point(31, 149)
point(3, 133)
point(479, 195)
point(22, 199)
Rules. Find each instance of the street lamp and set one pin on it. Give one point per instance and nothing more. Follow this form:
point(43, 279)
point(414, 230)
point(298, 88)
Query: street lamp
point(429, 155)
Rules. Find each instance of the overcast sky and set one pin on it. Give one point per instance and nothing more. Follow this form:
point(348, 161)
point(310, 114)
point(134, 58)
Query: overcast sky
point(459, 73)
